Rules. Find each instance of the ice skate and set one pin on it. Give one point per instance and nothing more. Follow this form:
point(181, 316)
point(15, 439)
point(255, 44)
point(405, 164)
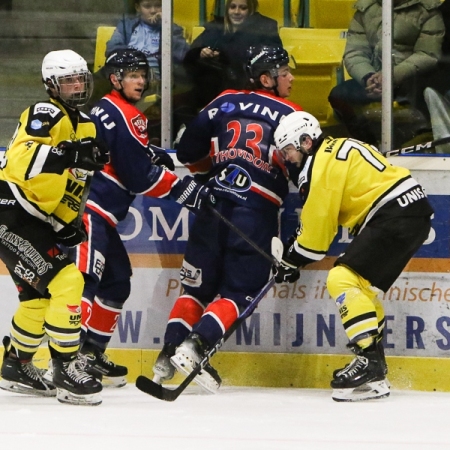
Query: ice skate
point(188, 355)
point(74, 385)
point(363, 379)
point(23, 377)
point(380, 348)
point(163, 369)
point(383, 358)
point(98, 365)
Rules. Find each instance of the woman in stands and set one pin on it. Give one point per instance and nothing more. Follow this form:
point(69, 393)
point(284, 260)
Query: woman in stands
point(217, 58)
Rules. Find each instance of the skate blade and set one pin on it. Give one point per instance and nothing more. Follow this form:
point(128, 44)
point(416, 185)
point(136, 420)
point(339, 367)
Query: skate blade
point(184, 364)
point(368, 391)
point(65, 396)
point(113, 382)
point(18, 388)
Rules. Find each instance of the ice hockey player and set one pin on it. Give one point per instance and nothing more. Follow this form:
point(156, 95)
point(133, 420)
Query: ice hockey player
point(345, 182)
point(229, 146)
point(41, 187)
point(135, 168)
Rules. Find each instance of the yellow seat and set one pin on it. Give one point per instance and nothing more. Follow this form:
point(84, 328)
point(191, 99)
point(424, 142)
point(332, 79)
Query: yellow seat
point(295, 12)
point(318, 57)
point(273, 9)
point(103, 36)
point(330, 13)
point(210, 6)
point(187, 15)
point(196, 31)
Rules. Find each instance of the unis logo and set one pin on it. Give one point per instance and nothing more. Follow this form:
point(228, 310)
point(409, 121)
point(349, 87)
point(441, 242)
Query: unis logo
point(234, 177)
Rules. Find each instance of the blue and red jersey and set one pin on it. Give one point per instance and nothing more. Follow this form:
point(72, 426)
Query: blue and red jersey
point(130, 170)
point(231, 142)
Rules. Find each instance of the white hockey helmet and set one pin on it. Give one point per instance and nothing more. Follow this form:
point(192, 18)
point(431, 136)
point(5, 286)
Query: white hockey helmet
point(65, 67)
point(294, 127)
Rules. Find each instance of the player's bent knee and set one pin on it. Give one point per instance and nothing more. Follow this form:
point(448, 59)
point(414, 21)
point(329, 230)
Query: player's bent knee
point(68, 283)
point(341, 279)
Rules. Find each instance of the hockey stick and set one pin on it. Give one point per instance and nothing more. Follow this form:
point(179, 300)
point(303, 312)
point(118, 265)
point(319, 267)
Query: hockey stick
point(148, 386)
point(84, 198)
point(418, 147)
point(277, 245)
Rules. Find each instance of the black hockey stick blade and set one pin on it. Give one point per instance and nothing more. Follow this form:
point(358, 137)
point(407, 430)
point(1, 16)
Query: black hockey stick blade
point(148, 386)
point(418, 147)
point(156, 390)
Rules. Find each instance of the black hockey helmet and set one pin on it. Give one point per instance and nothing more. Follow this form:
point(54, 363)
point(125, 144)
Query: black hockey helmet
point(265, 58)
point(125, 60)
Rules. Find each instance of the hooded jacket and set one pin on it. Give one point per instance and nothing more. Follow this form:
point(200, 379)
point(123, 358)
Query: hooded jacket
point(417, 39)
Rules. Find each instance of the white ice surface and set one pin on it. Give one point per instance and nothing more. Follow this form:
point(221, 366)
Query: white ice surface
point(233, 419)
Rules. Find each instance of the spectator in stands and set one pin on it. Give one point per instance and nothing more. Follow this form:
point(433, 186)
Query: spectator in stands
point(437, 94)
point(143, 33)
point(418, 34)
point(439, 107)
point(217, 58)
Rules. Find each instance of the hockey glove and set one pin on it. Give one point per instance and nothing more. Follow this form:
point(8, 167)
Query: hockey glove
point(285, 273)
point(193, 195)
point(289, 269)
point(86, 154)
point(71, 236)
point(160, 158)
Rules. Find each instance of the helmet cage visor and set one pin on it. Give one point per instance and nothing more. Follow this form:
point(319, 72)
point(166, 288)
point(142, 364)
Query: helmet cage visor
point(74, 89)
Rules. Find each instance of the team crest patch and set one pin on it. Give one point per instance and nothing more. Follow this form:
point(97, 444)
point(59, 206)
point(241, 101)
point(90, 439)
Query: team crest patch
point(36, 124)
point(227, 107)
point(140, 126)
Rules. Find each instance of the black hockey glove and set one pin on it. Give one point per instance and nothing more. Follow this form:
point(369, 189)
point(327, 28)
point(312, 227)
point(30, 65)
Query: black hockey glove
point(193, 195)
point(289, 269)
point(86, 154)
point(285, 273)
point(160, 158)
point(71, 236)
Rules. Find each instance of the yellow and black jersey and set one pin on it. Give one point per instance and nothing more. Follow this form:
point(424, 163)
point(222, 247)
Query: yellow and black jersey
point(346, 182)
point(34, 167)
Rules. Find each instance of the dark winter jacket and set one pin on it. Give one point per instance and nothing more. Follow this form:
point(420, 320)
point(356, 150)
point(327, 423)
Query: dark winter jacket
point(230, 65)
point(417, 39)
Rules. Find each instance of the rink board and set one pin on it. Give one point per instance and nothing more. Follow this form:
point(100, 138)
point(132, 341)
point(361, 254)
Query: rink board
point(295, 337)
